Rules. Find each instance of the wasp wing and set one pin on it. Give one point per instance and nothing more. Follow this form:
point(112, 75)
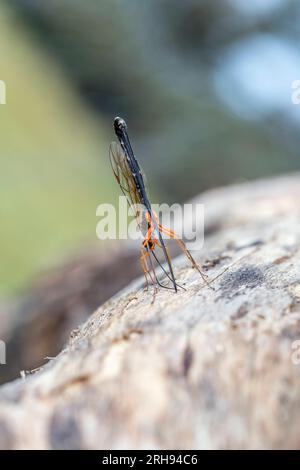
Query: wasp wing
point(124, 177)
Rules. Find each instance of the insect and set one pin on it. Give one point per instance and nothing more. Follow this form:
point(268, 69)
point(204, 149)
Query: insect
point(131, 180)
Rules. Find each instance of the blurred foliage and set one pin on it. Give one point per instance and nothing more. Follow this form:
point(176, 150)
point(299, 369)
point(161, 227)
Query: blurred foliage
point(159, 64)
point(154, 62)
point(52, 160)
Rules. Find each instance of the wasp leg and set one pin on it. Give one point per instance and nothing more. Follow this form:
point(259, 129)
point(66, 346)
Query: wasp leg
point(160, 244)
point(145, 253)
point(188, 254)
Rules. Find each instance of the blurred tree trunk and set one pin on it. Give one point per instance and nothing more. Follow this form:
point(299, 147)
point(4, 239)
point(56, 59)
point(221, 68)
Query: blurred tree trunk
point(38, 325)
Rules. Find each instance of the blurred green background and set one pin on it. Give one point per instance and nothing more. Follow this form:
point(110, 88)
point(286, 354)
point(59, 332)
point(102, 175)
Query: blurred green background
point(204, 86)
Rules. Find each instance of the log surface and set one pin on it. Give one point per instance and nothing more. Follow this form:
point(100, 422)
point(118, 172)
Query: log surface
point(207, 369)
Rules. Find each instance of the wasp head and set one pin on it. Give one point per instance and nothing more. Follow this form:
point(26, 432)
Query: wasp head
point(119, 125)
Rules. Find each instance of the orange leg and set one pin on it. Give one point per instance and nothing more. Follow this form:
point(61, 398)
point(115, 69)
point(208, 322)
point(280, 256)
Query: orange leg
point(147, 271)
point(147, 244)
point(174, 236)
point(151, 242)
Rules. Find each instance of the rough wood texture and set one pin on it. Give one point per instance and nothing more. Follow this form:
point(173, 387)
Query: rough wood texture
point(197, 369)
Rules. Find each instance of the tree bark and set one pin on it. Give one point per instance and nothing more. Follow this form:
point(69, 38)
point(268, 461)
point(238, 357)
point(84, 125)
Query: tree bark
point(203, 368)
